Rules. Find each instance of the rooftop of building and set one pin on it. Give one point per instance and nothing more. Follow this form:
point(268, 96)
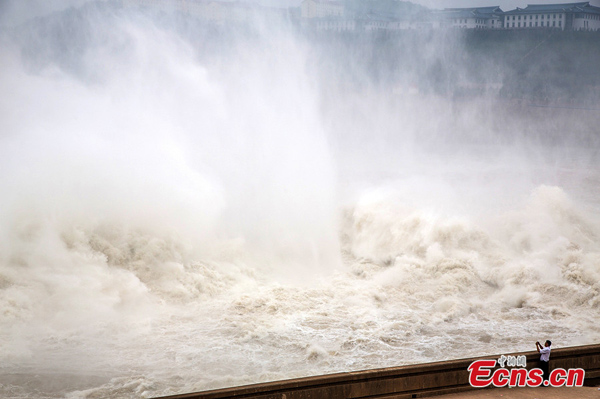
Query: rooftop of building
point(581, 7)
point(473, 12)
point(482, 10)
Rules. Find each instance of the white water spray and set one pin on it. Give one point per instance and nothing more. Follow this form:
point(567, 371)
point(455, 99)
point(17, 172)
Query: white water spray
point(177, 217)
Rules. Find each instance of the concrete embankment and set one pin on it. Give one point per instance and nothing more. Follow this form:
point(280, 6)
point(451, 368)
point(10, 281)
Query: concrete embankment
point(413, 381)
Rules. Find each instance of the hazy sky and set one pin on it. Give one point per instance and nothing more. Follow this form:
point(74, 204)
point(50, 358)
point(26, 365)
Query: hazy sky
point(16, 11)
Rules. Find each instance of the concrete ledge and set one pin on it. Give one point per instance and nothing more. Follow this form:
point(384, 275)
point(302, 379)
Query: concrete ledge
point(414, 381)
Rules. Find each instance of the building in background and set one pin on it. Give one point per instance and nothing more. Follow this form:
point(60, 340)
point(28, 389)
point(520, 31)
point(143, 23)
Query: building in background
point(586, 17)
point(334, 15)
point(214, 12)
point(373, 15)
point(566, 16)
point(336, 24)
point(472, 18)
point(364, 15)
point(321, 9)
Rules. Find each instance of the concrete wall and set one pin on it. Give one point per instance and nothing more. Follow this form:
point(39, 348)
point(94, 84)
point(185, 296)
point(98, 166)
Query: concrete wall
point(414, 381)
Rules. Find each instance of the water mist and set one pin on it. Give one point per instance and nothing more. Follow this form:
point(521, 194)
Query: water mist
point(185, 206)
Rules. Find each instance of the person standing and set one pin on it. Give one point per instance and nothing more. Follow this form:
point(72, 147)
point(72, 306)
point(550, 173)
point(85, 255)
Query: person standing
point(544, 357)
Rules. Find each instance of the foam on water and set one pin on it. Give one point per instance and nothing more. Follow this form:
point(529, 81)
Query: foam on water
point(173, 222)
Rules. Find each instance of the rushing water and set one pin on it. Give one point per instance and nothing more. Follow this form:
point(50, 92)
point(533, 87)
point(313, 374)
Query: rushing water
point(177, 218)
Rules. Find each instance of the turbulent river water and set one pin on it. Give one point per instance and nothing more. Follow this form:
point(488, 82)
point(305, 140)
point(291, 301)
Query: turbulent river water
point(173, 221)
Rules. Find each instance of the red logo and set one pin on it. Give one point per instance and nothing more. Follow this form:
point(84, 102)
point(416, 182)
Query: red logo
point(482, 374)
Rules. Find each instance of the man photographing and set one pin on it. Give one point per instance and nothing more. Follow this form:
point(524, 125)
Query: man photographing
point(544, 357)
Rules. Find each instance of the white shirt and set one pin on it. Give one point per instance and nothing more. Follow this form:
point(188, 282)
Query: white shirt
point(545, 354)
